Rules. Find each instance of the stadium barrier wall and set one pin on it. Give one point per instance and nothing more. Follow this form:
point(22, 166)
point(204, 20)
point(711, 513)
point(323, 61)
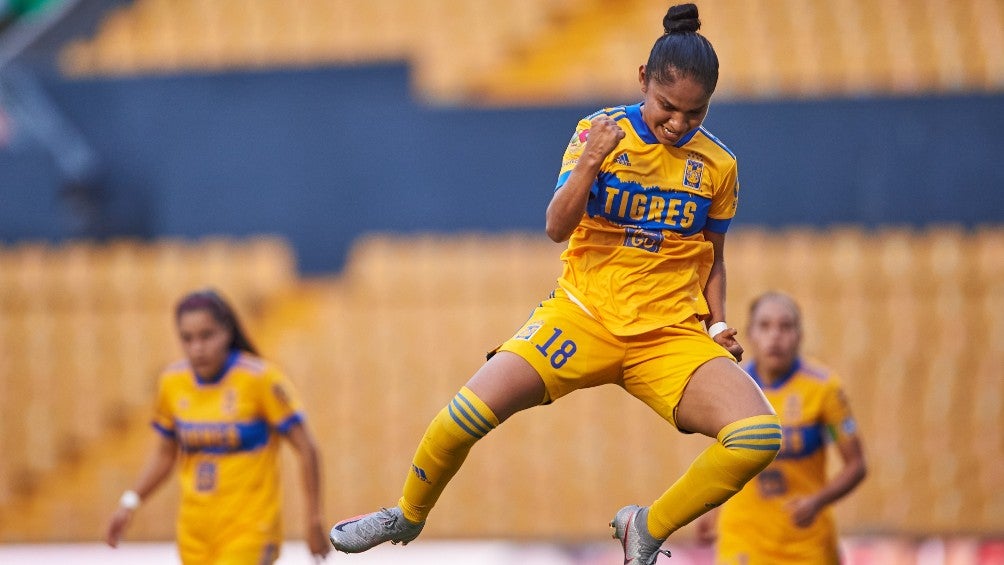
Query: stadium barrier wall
point(324, 155)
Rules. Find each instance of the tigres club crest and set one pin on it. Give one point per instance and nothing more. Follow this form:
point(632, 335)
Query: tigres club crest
point(693, 173)
point(229, 402)
point(793, 407)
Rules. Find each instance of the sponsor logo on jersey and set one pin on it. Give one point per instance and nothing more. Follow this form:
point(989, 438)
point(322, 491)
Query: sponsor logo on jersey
point(692, 174)
point(643, 239)
point(578, 139)
point(623, 160)
point(529, 330)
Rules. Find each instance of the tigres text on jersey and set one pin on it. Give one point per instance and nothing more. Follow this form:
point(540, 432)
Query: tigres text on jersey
point(638, 259)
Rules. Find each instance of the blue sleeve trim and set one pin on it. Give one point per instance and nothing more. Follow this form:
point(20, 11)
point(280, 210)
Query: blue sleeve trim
point(718, 226)
point(608, 111)
point(562, 179)
point(169, 434)
point(288, 423)
point(717, 141)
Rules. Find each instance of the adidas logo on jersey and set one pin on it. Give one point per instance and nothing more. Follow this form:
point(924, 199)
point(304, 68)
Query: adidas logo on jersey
point(623, 160)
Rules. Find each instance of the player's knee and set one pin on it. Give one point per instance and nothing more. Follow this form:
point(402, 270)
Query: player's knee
point(753, 442)
point(459, 425)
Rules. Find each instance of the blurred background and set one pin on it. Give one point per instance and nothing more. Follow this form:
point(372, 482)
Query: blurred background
point(366, 180)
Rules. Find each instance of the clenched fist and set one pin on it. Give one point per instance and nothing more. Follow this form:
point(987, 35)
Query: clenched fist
point(604, 135)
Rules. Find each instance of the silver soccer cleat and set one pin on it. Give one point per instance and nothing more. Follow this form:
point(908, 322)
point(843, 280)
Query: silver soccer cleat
point(364, 532)
point(630, 526)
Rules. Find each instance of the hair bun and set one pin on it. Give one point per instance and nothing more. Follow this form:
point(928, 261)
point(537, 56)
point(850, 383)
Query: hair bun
point(681, 18)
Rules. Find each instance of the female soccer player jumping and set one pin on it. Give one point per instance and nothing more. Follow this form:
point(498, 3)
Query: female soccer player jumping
point(644, 198)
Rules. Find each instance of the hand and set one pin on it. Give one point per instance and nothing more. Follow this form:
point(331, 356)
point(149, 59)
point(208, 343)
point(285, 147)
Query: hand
point(604, 135)
point(803, 511)
point(707, 532)
point(317, 540)
point(117, 526)
point(727, 339)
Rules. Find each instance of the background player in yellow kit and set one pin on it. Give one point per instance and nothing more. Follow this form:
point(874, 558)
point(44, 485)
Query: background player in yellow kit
point(223, 410)
point(783, 516)
point(644, 198)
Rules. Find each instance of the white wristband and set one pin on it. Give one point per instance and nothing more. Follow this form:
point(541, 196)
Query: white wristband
point(717, 328)
point(130, 499)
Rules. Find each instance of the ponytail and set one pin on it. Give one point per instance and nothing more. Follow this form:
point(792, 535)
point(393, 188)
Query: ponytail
point(681, 51)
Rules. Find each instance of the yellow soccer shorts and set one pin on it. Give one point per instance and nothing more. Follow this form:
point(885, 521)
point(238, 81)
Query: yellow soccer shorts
point(824, 552)
point(572, 350)
point(240, 555)
point(219, 542)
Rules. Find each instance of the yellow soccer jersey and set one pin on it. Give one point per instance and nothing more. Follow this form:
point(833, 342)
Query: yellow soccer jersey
point(754, 526)
point(638, 259)
point(227, 431)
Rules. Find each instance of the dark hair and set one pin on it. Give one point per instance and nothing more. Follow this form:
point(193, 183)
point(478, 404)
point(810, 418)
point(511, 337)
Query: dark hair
point(210, 301)
point(779, 297)
point(681, 51)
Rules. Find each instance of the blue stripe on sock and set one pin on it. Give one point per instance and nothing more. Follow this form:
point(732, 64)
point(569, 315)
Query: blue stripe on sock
point(766, 447)
point(733, 438)
point(754, 427)
point(468, 417)
point(474, 410)
point(461, 424)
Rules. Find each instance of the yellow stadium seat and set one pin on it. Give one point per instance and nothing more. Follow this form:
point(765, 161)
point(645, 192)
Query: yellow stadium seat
point(535, 51)
point(906, 317)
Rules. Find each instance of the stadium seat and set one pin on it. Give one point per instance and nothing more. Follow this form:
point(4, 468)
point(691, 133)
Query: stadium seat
point(900, 314)
point(539, 51)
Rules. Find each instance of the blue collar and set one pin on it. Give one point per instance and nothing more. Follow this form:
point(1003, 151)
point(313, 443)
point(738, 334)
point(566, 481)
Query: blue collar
point(640, 127)
point(780, 382)
point(231, 359)
point(646, 134)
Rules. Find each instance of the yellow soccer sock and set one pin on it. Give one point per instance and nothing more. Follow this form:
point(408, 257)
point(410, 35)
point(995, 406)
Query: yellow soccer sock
point(442, 451)
point(744, 448)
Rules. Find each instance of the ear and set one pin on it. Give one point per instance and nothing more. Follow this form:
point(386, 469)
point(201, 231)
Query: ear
point(643, 79)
